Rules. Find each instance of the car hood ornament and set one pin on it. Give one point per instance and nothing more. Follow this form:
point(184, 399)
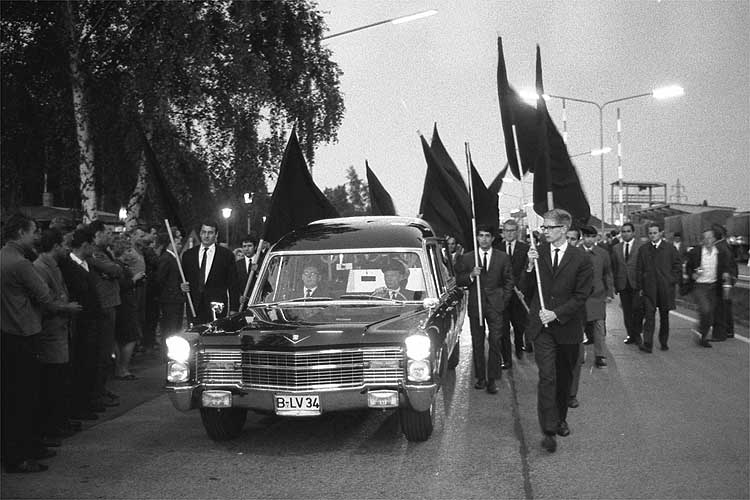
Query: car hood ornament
point(295, 338)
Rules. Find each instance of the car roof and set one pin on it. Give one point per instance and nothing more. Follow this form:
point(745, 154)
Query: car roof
point(357, 232)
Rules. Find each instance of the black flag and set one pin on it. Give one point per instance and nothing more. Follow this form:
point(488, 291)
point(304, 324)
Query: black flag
point(441, 203)
point(497, 184)
point(170, 203)
point(554, 171)
point(485, 202)
point(380, 201)
point(514, 111)
point(446, 162)
point(296, 200)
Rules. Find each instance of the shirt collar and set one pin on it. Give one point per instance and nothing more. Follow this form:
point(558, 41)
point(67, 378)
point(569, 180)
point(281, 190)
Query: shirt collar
point(562, 247)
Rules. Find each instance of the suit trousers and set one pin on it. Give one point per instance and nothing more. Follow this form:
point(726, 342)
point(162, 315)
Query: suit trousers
point(20, 382)
point(704, 295)
point(83, 362)
point(649, 323)
point(577, 371)
point(105, 345)
point(515, 314)
point(494, 321)
point(723, 319)
point(632, 312)
point(596, 330)
point(555, 363)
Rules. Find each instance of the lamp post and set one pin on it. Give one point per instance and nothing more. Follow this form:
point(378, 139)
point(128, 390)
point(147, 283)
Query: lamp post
point(660, 93)
point(226, 213)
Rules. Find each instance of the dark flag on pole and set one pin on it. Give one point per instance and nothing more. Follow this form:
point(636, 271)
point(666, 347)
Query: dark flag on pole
point(296, 200)
point(514, 111)
point(445, 161)
point(497, 184)
point(170, 203)
point(441, 203)
point(380, 201)
point(485, 202)
point(554, 171)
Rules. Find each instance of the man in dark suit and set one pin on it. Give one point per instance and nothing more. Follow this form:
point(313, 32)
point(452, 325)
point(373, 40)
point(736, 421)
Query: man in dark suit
point(723, 316)
point(708, 268)
point(496, 280)
point(624, 259)
point(244, 267)
point(658, 270)
point(312, 284)
point(210, 273)
point(566, 280)
point(516, 313)
point(170, 297)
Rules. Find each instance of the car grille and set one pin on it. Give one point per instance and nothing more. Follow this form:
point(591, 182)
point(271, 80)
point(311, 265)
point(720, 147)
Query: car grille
point(301, 370)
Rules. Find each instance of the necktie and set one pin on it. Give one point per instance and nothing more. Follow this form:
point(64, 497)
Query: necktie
point(308, 292)
point(555, 261)
point(627, 251)
point(393, 294)
point(510, 250)
point(203, 264)
point(484, 262)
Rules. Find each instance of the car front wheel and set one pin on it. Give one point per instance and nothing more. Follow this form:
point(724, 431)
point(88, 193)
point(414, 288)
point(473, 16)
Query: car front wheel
point(222, 424)
point(417, 425)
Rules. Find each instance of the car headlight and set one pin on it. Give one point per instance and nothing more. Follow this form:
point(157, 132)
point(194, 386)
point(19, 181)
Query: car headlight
point(177, 371)
point(178, 349)
point(418, 370)
point(418, 347)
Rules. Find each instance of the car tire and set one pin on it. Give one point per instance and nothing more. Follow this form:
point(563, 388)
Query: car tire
point(454, 358)
point(416, 425)
point(222, 424)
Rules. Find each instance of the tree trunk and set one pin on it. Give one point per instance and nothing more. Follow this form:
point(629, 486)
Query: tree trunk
point(139, 192)
point(83, 124)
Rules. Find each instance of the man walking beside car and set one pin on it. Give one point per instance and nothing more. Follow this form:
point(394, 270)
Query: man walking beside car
point(496, 281)
point(565, 277)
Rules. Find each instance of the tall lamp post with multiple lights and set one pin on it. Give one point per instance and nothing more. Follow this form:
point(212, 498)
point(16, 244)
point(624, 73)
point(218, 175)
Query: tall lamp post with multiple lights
point(660, 93)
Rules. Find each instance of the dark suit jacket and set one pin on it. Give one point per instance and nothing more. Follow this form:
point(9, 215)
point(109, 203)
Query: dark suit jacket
point(519, 260)
point(497, 281)
point(404, 294)
point(657, 273)
point(565, 292)
point(596, 303)
point(321, 291)
point(167, 281)
point(221, 279)
point(624, 272)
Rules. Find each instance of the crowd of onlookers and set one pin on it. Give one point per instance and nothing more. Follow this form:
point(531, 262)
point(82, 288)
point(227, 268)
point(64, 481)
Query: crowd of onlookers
point(77, 302)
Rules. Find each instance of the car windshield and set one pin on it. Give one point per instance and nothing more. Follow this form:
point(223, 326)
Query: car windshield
point(358, 278)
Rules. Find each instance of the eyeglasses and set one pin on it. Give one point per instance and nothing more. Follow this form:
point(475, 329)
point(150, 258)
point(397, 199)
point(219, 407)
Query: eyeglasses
point(550, 228)
point(310, 273)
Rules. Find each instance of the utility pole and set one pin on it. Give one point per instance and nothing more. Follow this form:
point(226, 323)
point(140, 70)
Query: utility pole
point(678, 190)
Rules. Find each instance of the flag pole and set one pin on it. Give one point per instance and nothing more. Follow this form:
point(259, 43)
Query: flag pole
point(253, 267)
point(474, 228)
point(179, 266)
point(531, 240)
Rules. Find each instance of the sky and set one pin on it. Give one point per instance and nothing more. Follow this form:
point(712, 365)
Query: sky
point(400, 79)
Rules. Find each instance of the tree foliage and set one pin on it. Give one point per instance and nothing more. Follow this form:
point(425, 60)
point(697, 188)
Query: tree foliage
point(215, 83)
point(351, 198)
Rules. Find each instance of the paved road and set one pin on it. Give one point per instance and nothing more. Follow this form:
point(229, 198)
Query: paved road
point(667, 425)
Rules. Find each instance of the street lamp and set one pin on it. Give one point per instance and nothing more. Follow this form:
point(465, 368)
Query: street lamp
point(226, 213)
point(659, 93)
point(395, 20)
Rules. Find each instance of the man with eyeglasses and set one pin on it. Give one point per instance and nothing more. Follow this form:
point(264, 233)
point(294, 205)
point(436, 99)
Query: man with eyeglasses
point(658, 270)
point(496, 282)
point(515, 313)
point(566, 280)
point(311, 283)
point(624, 259)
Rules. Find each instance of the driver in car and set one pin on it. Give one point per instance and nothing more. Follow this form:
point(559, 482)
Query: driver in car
point(395, 276)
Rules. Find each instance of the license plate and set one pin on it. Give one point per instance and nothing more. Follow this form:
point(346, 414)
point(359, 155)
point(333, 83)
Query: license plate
point(382, 399)
point(216, 399)
point(297, 405)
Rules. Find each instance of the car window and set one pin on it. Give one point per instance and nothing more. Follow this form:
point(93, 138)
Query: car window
point(440, 270)
point(338, 275)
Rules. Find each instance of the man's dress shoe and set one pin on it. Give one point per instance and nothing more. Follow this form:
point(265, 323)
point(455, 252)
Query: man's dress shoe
point(563, 429)
point(573, 402)
point(664, 347)
point(481, 384)
point(704, 343)
point(519, 352)
point(529, 347)
point(645, 348)
point(631, 340)
point(588, 342)
point(600, 361)
point(506, 366)
point(492, 386)
point(549, 443)
point(25, 467)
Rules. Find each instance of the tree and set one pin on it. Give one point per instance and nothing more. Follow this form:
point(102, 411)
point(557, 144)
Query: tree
point(352, 198)
point(202, 78)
